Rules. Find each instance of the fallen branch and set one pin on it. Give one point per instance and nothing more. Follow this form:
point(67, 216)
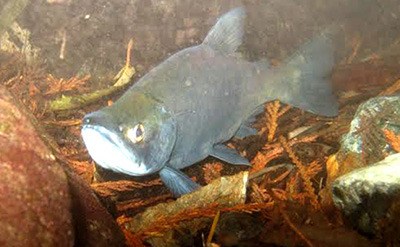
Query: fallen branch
point(65, 103)
point(157, 222)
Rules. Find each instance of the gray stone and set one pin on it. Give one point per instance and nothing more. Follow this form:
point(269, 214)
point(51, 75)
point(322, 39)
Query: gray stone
point(366, 194)
point(376, 113)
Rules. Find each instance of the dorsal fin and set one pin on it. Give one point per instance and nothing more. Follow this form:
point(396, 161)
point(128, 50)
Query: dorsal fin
point(227, 34)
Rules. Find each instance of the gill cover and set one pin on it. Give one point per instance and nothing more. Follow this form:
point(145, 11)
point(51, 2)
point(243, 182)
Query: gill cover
point(134, 136)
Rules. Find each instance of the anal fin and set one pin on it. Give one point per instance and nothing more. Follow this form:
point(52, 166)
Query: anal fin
point(229, 155)
point(245, 128)
point(177, 182)
point(245, 131)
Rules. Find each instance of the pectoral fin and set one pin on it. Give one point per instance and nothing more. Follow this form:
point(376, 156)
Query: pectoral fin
point(177, 182)
point(229, 155)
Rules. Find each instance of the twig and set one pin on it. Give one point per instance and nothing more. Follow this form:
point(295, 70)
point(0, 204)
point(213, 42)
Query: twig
point(63, 44)
point(356, 44)
point(279, 178)
point(294, 228)
point(126, 73)
point(213, 227)
point(66, 123)
point(128, 53)
point(268, 169)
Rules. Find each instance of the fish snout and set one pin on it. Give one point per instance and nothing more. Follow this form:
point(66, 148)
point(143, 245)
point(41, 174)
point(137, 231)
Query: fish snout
point(94, 119)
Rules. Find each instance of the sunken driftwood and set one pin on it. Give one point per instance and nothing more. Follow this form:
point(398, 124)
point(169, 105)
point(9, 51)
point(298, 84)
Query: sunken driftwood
point(223, 192)
point(123, 77)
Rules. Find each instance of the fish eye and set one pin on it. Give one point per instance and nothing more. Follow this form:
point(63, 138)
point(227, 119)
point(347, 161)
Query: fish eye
point(136, 134)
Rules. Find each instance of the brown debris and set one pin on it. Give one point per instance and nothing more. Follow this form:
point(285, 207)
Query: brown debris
point(57, 86)
point(262, 159)
point(212, 171)
point(305, 173)
point(105, 189)
point(272, 112)
point(393, 140)
point(272, 116)
point(394, 88)
point(224, 191)
point(356, 44)
point(272, 182)
point(165, 223)
point(294, 228)
point(84, 169)
point(136, 204)
point(274, 186)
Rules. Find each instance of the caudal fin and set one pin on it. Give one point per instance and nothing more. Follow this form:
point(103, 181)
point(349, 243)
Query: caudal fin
point(307, 77)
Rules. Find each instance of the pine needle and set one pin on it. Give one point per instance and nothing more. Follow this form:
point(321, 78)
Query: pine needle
point(272, 110)
point(303, 173)
point(110, 188)
point(138, 203)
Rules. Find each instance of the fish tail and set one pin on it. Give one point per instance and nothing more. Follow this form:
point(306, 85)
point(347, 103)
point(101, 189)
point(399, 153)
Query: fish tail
point(306, 78)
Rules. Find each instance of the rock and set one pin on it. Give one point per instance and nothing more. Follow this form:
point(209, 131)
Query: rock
point(234, 228)
point(365, 195)
point(366, 130)
point(365, 185)
point(365, 143)
point(41, 202)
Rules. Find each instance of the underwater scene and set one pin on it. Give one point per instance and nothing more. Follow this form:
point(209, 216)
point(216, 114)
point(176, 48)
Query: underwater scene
point(199, 123)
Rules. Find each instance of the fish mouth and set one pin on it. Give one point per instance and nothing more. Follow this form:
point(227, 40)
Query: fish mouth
point(111, 152)
point(107, 134)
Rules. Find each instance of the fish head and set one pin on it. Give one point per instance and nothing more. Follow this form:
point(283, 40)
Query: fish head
point(134, 136)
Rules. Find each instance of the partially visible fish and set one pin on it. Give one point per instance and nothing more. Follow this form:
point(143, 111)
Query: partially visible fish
point(184, 109)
